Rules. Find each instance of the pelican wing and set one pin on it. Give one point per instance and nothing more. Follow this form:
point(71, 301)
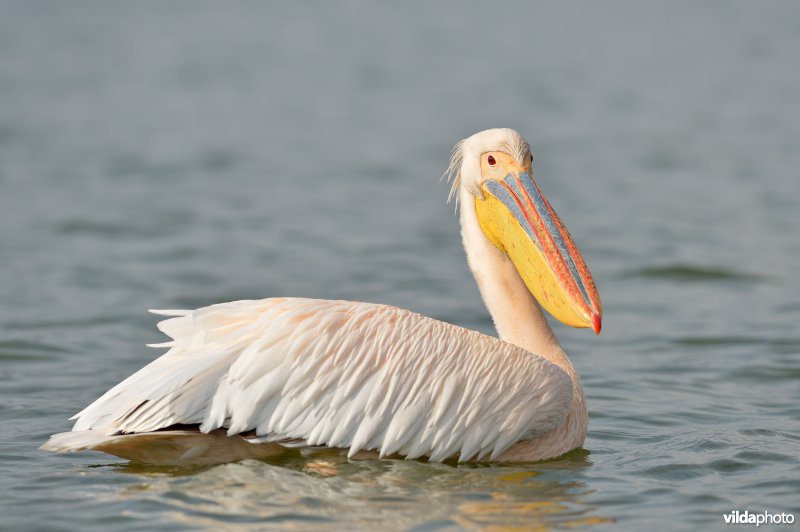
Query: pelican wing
point(342, 374)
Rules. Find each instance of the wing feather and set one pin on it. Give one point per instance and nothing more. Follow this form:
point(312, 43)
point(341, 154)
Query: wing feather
point(342, 374)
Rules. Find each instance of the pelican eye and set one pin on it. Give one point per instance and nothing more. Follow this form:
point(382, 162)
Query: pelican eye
point(491, 161)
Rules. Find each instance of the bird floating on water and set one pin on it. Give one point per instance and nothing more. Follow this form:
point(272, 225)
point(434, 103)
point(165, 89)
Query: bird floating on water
point(247, 379)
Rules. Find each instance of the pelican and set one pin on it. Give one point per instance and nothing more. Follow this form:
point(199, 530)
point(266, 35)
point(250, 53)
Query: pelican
point(251, 378)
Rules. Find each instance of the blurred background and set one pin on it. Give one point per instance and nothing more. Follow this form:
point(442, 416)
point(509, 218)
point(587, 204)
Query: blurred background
point(175, 155)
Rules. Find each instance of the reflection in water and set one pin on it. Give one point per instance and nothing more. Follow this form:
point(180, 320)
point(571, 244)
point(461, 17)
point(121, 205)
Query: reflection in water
point(323, 487)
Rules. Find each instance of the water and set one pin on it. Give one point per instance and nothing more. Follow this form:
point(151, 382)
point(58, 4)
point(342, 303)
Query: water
point(178, 155)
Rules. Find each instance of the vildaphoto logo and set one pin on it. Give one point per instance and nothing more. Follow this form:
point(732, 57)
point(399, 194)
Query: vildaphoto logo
point(739, 517)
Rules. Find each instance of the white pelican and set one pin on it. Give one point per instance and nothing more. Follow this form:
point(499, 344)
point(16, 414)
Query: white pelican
point(248, 378)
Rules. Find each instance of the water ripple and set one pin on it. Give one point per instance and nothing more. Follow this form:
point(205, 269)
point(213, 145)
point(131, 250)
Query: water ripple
point(692, 273)
point(28, 350)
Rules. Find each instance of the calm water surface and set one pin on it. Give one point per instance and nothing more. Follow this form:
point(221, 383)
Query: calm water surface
point(178, 155)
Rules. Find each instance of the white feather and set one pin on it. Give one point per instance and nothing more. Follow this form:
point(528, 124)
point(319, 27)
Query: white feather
point(406, 383)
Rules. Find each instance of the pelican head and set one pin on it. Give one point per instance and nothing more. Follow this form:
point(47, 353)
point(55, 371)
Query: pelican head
point(495, 168)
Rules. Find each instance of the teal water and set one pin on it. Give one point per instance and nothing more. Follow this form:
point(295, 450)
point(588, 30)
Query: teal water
point(175, 155)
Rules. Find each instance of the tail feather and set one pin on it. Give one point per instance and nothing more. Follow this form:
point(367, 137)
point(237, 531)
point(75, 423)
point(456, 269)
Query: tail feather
point(67, 442)
point(169, 312)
